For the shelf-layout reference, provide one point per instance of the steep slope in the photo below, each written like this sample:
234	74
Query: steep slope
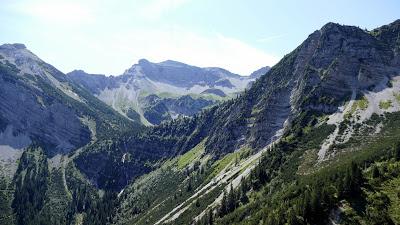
39	104
297	103
45	118
169	81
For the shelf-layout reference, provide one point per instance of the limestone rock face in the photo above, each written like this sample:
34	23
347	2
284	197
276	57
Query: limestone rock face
27	107
338	60
320	75
40	104
169	81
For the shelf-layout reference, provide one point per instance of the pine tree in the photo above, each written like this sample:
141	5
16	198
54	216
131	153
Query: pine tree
396	149
223	207
189	186
375	172
210	217
231	205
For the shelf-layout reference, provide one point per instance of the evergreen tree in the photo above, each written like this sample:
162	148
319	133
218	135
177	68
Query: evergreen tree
231	201
223	207
375	172
210	217
396	150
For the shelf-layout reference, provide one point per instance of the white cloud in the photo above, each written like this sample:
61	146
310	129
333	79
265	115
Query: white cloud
112	54
53	11
113	39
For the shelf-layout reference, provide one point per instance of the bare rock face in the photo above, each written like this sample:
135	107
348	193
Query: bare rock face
319	75
338	60
53	123
27	108
39	103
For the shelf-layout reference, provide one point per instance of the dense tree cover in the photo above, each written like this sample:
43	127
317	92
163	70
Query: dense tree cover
6	192
102	211
31	182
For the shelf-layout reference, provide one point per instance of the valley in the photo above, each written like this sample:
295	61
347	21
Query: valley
315	139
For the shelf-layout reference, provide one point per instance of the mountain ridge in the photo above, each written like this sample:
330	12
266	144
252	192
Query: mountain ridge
169	80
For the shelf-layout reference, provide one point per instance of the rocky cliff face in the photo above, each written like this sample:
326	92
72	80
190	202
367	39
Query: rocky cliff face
29	111
321	74
40	104
167	80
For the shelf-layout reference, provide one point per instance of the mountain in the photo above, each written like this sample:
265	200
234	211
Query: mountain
260	72
44	117
180	89
39	104
298	147
313	141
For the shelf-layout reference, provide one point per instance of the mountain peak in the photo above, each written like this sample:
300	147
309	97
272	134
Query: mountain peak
77	71
331	27
13	46
143	61
172	63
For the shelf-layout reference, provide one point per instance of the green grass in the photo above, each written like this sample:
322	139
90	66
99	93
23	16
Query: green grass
361	104
222	163
385	104
397	97
167	95
191	156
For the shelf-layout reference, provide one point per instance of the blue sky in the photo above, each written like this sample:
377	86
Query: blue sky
241	36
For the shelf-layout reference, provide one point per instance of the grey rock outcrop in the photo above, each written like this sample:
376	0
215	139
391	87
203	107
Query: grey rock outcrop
168	80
